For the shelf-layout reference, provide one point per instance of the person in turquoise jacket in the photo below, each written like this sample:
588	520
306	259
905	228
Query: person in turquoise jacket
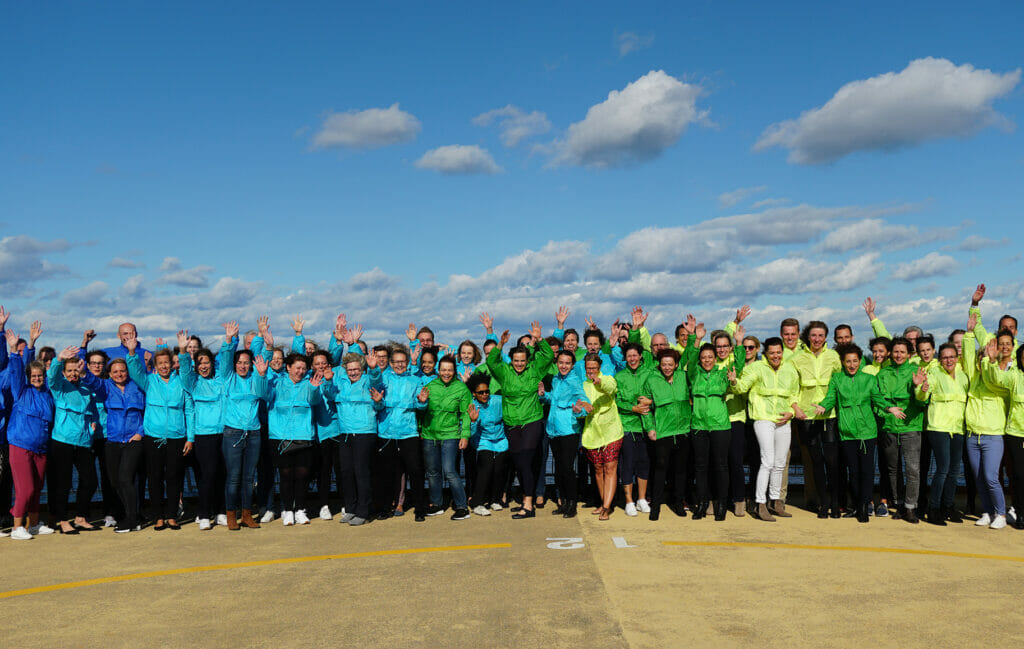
487	439
358	397
168	407
70	444
206	429
564	426
399	450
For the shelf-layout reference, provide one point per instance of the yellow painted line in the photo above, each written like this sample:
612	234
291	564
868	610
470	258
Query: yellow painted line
842	548
244	564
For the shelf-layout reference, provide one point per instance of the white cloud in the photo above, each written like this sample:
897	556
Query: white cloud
170	264
195	277
931	265
633	125
627	42
769	202
22	262
87	296
124	262
367	129
459	159
931	98
134	288
728	199
870	233
976	242
516	124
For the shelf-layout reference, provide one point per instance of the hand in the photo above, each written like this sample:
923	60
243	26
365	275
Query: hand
504	338
317	379
742	313
652	435
371	361
818	410
187	448
540	389
644	401
535	330
423	395
136	438
355	333
897	413
731	375
131	341
416	355
925	387
376	395
992	350
613	336
260	364
577	407
699	331
263	325
690	325
799	414
87	336
68	353
487	321
561	316
410	332
466	373
587	407
463	444
341	322
784	419
340	334
328	373
869	308
741	333
639	317
268	339
473	413
972	321
4	315
590	322
978	294
919	377
597	379
297	324
182	339
34	332
160	342
641	409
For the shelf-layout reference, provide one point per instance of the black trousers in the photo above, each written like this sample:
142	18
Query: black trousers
122	465
671	455
164	464
60	459
293	466
328	458
211	474
565	449
522	446
490	469
1013	455
737	455
821	437
111	502
355	452
392	459
265	471
860	460
711	456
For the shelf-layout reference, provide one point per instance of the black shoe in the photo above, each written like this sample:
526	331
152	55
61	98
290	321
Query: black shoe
524	513
460	514
851	513
936	517
434	510
656	513
679	509
700	511
720	510
1018	523
420	516
569	509
862	514
910	517
823	512
74	530
952	515
386	514
894	513
559	510
161	526
173	526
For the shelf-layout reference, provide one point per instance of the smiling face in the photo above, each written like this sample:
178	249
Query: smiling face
243	365
750	349
816	337
843	336
774	356
37	378
204	367
382	358
399	362
163	365
667	365
192	346
446	370
1005	347
571	342
428	363
565	364
633	359
593	343
277	360
320	363
593	369
880	353
707	359
948	359
466	353
899	354
519	362
851	363
354	371
723	347
119	373
482	393
297	370
791	336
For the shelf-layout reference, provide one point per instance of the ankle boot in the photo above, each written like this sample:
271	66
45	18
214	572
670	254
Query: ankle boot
700	511
569	509
779	509
862	514
764	514
720	510
655	513
739	508
936	517
232	520
952	515
248	520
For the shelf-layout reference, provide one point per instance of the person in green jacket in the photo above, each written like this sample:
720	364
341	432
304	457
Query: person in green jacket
902	422
520	406
634	459
712	430
446	429
854	394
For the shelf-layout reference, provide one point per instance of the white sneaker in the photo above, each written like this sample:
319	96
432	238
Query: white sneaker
301	518
204	524
325	513
287	518
268	516
999	523
40	529
643	506
497	507
480	510
630	509
108	521
20	534
222	519
983	521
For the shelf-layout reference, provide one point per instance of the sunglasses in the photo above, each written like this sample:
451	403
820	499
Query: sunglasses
750	347
482	392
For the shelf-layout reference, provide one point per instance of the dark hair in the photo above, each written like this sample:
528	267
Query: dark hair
382	348
425	330
944	346
245	352
926	338
953	333
46	353
197	339
553	342
293	358
570	331
703	348
835	331
519	349
679	327
490	342
478	379
671	353
1020	358
628	347
805	335
900	340
98	352
881	340
524	337
849	348
429	351
362	346
590	333
202	351
788	322
1007	316
592	357
774	341
319	352
566	352
720	333
1004	332
448	358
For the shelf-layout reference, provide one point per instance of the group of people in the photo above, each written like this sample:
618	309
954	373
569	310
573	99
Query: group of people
685	423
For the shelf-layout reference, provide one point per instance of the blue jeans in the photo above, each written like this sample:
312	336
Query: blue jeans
985	453
438	456
241	449
949	450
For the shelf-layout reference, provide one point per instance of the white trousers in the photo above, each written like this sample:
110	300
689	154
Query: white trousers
774	442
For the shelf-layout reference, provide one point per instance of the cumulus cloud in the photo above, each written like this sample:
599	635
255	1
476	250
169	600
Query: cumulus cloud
931	265
516	124
124	262
459	159
195	277
976	242
632	125
170	264
875	233
930	98
728	199
769	202
134	288
22	261
87	296
367	129
627	42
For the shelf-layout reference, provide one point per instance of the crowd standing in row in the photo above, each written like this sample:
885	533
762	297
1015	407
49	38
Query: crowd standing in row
687	424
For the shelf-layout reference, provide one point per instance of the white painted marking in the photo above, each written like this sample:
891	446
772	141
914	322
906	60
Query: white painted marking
567	543
620	542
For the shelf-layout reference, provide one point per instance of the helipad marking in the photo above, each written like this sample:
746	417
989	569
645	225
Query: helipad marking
843	548
245	564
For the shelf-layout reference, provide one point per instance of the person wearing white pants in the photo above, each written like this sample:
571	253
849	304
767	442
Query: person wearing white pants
774	441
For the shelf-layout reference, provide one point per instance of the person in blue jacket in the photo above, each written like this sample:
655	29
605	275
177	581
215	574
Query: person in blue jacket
327	449
564	427
71	443
28	435
205	429
168	406
487	439
357	396
125	331
96	365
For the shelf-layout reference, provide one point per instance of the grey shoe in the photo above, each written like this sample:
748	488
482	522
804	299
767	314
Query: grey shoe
357	520
347	518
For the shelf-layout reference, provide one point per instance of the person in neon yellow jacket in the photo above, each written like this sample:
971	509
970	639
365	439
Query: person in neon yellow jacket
1007	322
602	431
1011	380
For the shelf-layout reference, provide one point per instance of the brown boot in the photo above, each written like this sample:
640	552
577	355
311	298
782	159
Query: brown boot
764	514
248	520
739	508
779	509
232	521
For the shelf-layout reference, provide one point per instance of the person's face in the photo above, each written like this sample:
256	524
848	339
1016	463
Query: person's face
816	337
593	343
565	364
667	365
21	348
243	365
519	361
1008	323
73	370
1005	347
774	356
843	336
958	342
354	370
399	363
426	339
163	366
912	339
723	347
124	331
466	354
791	336
482	393
658	343
555	348
633	359
446	371
948	359
879	353
571	342
851	362
593	369
204	367
900	354
750	348
926	351
707	359
320	363
277	360
297	371
37	378
119	373
192	346
309	348
95	365
624	336
175	363
427	364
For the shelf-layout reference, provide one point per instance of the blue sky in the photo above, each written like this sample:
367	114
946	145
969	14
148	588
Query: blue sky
182	165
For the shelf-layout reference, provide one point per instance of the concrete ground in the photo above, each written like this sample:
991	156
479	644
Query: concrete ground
497	582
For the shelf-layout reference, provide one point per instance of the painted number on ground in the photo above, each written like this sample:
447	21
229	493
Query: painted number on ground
568	543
